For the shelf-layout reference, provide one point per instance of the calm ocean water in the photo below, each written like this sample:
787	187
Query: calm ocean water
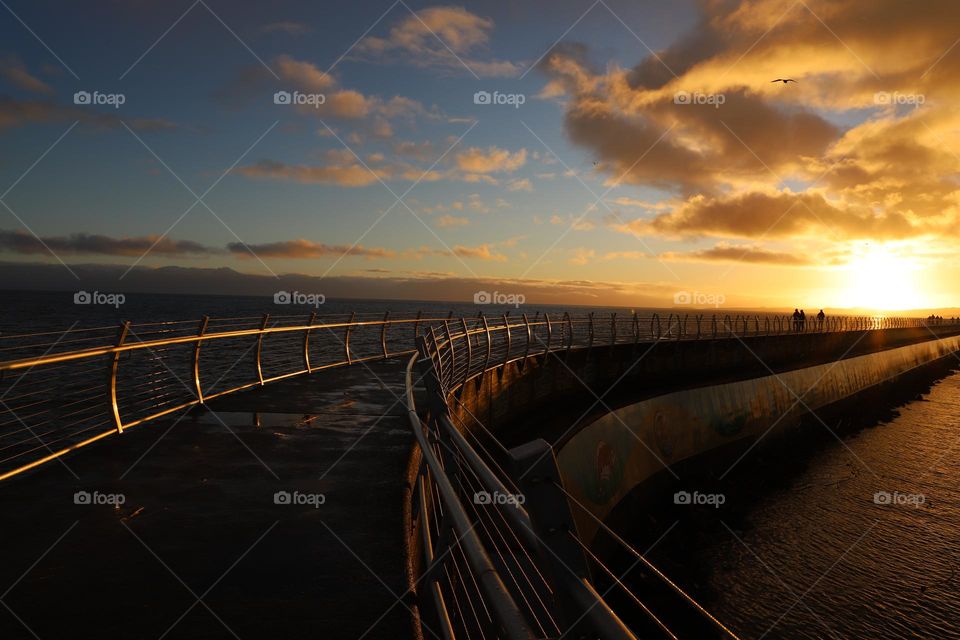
27	311
807	547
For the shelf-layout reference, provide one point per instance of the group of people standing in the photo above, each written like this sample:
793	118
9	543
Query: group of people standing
800	320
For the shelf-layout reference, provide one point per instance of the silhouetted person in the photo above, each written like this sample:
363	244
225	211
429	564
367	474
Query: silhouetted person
796	320
803	321
820	318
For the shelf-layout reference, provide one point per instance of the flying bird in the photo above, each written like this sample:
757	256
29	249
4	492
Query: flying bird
784	80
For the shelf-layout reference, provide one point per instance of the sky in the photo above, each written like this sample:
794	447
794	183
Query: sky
599	152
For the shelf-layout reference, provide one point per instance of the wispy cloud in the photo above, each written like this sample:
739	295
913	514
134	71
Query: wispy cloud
301	248
85	243
15	72
445	38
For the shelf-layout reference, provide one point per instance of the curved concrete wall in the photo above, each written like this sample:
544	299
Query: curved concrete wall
605	460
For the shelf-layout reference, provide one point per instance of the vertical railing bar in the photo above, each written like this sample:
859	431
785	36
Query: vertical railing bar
486	331
196	358
114	365
416	326
526	349
346	337
506	324
466	335
453	355
546	317
263	325
306	343
383	335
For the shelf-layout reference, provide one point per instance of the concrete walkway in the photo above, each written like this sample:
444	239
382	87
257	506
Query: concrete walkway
199	548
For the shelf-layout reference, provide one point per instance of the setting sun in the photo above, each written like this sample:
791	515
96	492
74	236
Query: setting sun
881	279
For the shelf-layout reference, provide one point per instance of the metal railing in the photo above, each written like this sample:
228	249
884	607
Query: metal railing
466	347
485	569
60	391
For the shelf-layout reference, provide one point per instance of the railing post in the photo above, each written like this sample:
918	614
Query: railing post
636	328
466	335
438	365
383	335
699	321
486	331
506	324
526	348
590	336
613	328
114	365
453	355
569	322
346	338
416	327
263	325
306	344
196	358
546	317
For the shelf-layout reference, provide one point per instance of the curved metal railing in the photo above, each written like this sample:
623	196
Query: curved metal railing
461	538
60	391
477	344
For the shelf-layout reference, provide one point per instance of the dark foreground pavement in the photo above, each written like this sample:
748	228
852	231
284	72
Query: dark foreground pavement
199	548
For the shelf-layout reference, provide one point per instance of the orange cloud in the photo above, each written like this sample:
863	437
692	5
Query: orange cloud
701	120
348	175
438	37
491	160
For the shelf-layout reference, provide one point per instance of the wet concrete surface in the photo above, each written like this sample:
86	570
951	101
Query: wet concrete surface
184	536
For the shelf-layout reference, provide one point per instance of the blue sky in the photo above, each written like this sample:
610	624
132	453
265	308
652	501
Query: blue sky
513	190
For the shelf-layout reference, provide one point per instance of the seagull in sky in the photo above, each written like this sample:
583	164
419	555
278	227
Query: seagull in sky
784	80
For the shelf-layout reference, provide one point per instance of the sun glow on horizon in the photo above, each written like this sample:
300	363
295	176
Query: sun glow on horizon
882	279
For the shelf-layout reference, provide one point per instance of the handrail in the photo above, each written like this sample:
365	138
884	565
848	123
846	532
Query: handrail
448	355
505	609
54	409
